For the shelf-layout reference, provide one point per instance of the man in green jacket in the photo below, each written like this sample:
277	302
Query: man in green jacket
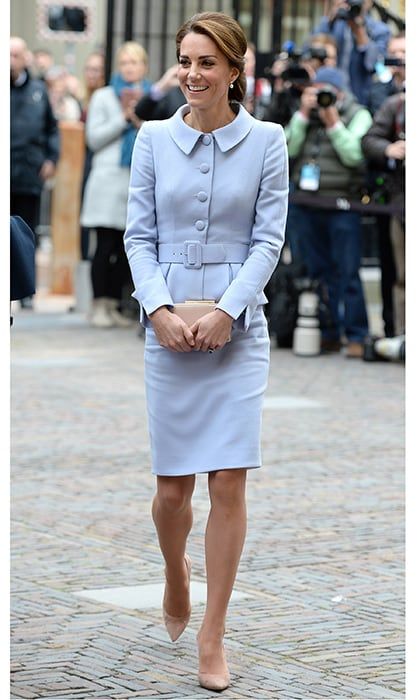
327	174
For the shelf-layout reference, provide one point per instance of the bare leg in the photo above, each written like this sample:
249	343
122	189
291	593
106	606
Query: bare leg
225	537
172	515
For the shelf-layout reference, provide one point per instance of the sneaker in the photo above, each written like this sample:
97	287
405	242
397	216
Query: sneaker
354	349
27	303
99	316
117	317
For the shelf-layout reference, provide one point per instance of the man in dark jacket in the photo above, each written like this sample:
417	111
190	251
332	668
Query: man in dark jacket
34	137
384	147
389	81
324	142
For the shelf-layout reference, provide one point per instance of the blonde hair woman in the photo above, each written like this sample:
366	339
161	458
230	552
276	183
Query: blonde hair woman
111	129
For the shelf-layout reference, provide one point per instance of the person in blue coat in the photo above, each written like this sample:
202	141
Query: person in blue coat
206	216
361	42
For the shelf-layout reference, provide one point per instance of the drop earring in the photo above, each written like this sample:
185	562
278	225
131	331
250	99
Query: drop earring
231	86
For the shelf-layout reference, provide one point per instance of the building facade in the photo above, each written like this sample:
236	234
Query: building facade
267	23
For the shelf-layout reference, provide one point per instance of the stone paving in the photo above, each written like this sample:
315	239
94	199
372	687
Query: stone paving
323	563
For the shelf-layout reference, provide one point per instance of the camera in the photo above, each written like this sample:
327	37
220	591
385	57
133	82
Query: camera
326	97
295	74
390	61
353	11
317	52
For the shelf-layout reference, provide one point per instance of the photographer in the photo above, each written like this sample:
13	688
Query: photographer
392	78
384	147
324	139
320	51
389	81
292	71
361	42
288	79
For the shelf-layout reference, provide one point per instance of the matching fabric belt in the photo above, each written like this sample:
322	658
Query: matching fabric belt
194	254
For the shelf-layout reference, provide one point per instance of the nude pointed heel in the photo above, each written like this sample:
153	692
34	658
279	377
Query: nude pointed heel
214	681
176	625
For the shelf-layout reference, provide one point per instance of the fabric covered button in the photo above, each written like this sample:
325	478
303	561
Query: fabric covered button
200	225
204	168
202	196
206	139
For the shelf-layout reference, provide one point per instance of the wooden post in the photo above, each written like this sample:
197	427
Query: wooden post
65	207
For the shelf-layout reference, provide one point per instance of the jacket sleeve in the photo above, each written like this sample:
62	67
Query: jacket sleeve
103	125
379	136
246	291
145	108
140	237
346	140
379	35
52	151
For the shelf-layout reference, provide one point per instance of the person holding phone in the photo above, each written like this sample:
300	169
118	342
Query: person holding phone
111	129
206	216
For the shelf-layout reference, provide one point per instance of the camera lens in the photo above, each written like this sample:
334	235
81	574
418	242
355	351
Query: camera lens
326	98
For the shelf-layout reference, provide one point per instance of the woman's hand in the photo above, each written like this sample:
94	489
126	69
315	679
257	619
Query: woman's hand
212	331
171	331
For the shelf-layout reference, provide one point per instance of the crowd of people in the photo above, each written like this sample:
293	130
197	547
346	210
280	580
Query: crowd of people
340	98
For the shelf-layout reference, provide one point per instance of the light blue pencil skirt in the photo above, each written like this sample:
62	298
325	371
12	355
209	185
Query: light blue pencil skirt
204	410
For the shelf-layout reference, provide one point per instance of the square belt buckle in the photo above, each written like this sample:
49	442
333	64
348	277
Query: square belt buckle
193	255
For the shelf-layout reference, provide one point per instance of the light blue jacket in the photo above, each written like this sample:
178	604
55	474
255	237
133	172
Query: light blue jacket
229	186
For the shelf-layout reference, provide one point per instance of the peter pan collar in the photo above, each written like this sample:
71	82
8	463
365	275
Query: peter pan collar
226	137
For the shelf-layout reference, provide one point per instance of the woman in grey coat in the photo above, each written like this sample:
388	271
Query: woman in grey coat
206	216
111	128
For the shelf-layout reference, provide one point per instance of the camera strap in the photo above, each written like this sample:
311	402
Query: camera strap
310	173
316	146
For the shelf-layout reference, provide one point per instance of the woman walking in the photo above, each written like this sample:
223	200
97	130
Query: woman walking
206	216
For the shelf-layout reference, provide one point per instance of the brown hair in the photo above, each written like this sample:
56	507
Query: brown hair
229	38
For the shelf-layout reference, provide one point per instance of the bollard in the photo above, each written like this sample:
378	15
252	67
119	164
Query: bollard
65	208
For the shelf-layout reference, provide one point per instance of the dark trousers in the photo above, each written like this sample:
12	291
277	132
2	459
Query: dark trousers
330	242
388	274
27	206
110	270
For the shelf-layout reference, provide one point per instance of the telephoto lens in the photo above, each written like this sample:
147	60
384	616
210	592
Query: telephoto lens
307	334
326	97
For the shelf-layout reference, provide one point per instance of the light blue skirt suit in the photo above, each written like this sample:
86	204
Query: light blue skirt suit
206	219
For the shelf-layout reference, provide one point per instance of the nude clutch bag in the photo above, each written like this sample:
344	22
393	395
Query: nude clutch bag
190	311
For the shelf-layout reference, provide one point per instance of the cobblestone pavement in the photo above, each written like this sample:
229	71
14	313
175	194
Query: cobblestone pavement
323	563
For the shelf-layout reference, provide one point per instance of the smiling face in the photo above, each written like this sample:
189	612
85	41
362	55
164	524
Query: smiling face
204	72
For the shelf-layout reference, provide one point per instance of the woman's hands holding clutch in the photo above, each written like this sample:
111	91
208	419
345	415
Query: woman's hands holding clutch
171	331
211	332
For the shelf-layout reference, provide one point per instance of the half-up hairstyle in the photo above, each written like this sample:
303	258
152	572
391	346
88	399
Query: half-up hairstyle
229	38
